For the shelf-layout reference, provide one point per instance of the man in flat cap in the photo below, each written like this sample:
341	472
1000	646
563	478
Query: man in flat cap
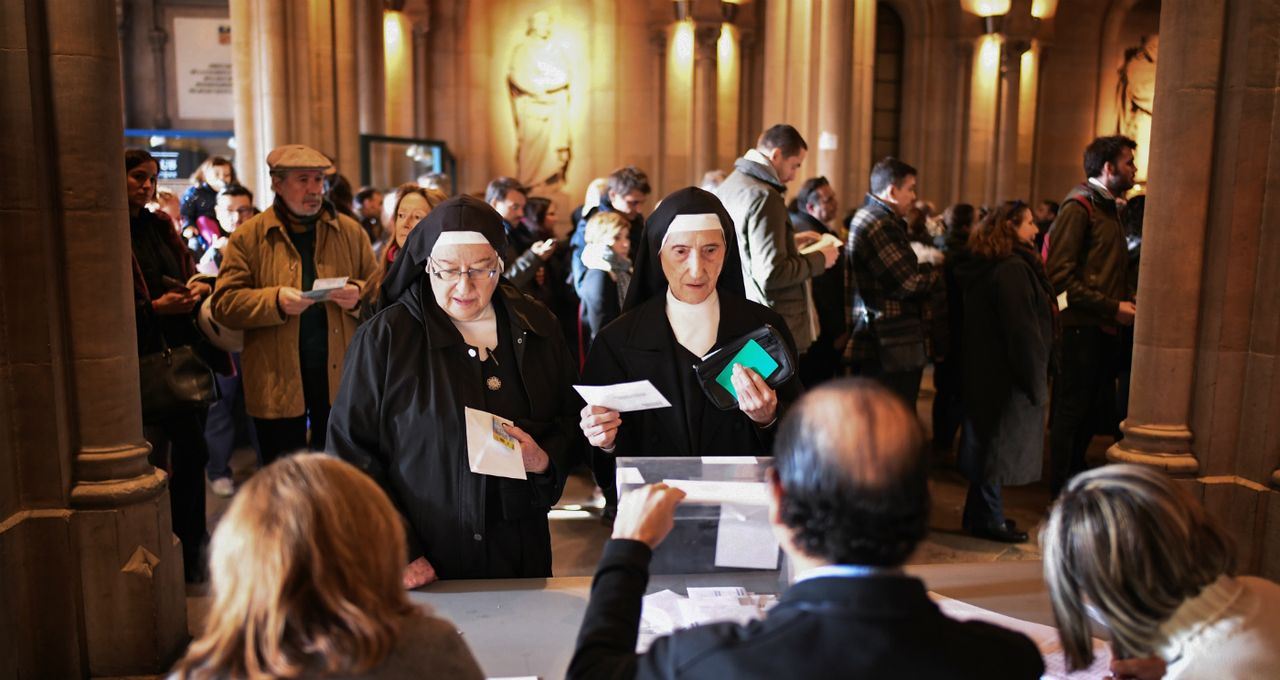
292	279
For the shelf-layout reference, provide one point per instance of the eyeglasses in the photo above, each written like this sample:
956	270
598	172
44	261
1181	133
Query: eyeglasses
455	275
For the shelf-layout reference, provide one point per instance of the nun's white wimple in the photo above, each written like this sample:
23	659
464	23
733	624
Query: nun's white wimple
699	222
460	238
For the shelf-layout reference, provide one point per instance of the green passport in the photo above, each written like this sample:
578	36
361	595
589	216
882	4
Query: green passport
752	356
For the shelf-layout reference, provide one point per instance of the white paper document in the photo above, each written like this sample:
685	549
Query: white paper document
322	287
1045	637
490	450
701	491
825	241
744	538
665	612
630	475
640	395
1062	301
728	460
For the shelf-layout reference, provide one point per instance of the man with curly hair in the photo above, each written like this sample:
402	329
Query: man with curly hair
848	501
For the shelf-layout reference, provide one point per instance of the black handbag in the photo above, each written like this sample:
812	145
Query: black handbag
710	368
901	342
174	381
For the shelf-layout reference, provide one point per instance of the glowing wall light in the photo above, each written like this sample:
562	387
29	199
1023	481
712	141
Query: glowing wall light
986	8
1043	9
682	41
989	56
397	45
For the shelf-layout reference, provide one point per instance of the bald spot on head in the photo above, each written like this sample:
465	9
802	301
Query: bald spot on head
863	431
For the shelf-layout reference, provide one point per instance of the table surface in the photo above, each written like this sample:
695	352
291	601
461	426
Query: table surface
527	627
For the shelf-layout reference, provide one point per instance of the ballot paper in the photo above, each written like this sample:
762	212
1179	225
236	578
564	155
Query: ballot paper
1045	638
702	491
640	395
728	460
321	289
628	476
490	449
665	612
1062	301
826	240
744	538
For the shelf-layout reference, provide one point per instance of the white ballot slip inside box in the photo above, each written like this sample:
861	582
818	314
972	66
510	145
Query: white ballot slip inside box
321	289
728	460
1045	637
744	539
702	491
490	449
826	240
630	475
665	612
640	395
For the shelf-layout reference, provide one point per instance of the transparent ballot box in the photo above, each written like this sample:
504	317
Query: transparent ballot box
723	524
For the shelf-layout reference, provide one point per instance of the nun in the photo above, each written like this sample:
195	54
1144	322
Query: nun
457	335
685	300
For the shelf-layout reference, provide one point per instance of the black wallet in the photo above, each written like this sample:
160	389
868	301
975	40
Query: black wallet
713	364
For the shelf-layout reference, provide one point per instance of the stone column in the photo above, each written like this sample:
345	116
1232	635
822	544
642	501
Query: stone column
93	572
857	146
704	100
830	142
371	78
1006	160
1157	431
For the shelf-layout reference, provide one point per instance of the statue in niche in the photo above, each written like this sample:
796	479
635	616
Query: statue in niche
538	80
1136	90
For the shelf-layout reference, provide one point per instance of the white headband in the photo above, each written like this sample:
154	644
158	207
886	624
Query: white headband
460	238
699	222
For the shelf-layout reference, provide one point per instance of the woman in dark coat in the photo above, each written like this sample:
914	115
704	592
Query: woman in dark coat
1008	339
166	292
685	300
457	335
608	271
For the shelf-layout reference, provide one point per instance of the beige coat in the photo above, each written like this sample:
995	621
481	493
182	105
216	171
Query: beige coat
260	259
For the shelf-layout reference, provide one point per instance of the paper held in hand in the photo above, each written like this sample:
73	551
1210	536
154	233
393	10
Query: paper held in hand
640	395
321	289
490	450
827	241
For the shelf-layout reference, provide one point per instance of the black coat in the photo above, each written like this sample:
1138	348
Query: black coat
1008	342
830	628
600	304
640	345
399	417
829	296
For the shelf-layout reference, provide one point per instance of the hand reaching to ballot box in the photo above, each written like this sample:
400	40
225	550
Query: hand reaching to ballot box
647	514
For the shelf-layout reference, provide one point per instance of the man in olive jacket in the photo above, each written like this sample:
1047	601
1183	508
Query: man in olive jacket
1087	260
776	274
293	344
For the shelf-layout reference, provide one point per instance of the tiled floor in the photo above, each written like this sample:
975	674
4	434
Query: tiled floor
577	541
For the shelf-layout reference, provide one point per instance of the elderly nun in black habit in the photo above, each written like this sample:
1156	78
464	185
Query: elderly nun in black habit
686	299
457	335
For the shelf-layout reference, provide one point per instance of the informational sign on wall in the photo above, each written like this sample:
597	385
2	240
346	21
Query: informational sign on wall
202	66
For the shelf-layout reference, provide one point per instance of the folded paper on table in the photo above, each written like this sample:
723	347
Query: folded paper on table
701	491
728	460
321	289
490	450
640	395
1045	638
744	538
752	356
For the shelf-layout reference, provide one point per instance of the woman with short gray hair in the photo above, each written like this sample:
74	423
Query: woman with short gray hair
1132	549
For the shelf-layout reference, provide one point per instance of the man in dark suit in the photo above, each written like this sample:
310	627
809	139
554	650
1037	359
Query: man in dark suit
849	501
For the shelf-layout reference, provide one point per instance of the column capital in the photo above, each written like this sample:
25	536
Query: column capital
706	38
1166	447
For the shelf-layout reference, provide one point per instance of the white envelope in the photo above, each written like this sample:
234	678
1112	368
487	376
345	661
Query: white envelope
486	452
639	395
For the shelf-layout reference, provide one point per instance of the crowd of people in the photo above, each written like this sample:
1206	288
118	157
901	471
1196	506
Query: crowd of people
373	326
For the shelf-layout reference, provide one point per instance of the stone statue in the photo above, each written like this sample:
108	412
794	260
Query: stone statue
538	79
1136	90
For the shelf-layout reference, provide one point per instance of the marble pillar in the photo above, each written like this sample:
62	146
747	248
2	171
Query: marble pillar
93	572
704	100
832	131
294	65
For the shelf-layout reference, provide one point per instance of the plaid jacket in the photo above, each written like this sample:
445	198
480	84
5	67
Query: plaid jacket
886	279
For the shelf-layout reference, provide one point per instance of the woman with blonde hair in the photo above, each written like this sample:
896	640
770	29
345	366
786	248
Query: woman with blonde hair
306	568
1130	548
604	286
412	204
